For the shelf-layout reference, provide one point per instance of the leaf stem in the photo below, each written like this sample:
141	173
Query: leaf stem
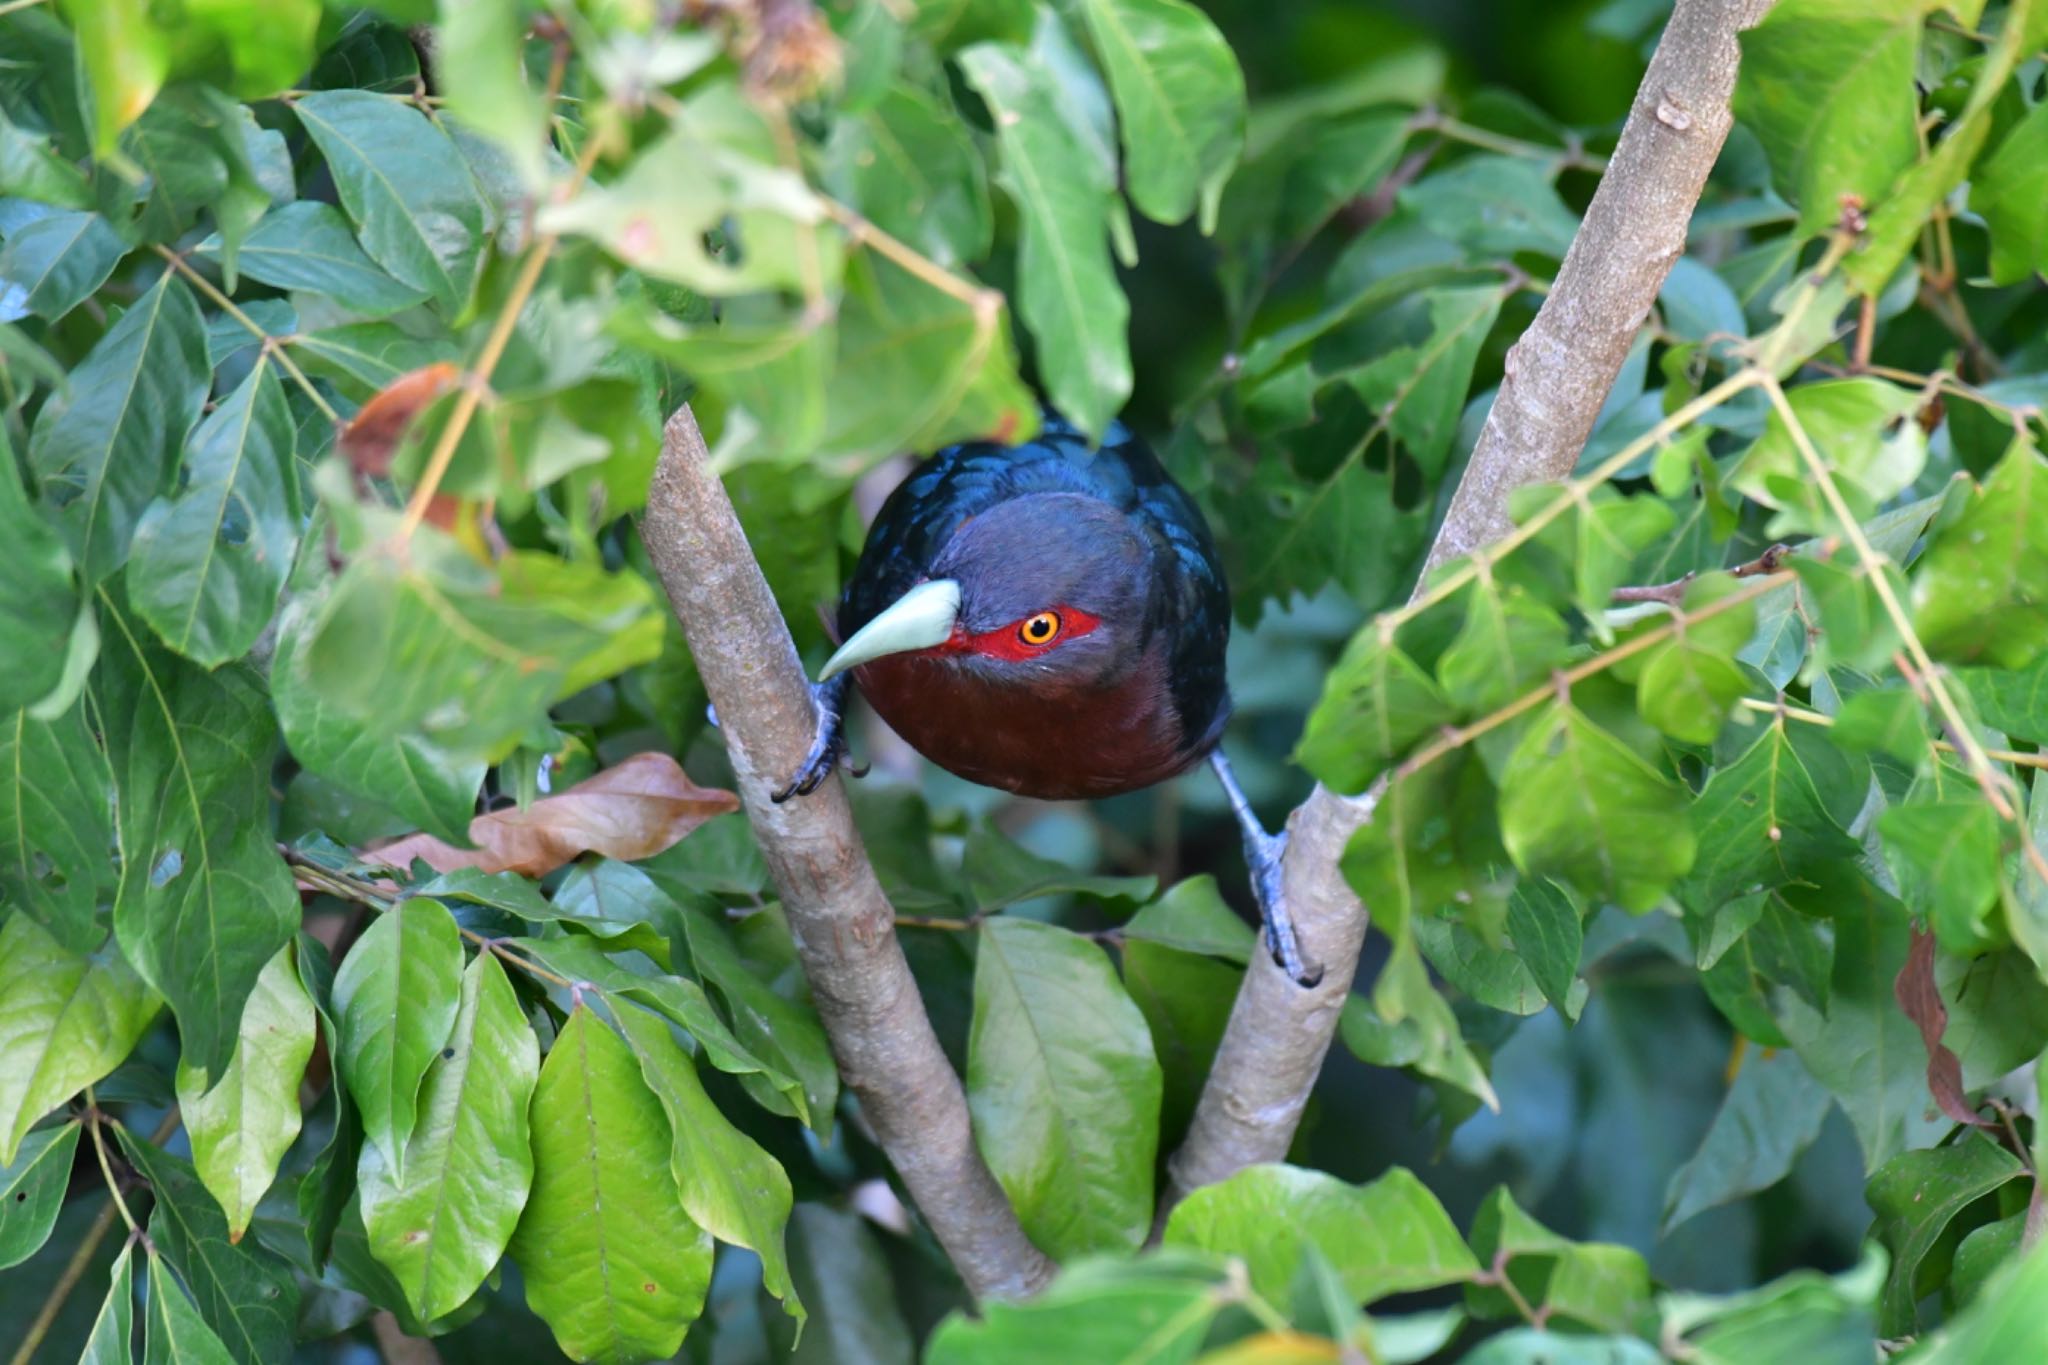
1801	714
272	346
99	1147
1570	157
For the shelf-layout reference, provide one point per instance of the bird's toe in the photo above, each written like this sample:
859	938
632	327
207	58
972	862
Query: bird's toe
828	748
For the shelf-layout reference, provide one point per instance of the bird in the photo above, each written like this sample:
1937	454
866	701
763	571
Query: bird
1049	618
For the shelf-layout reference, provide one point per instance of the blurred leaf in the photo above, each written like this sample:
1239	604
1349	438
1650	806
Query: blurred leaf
66	1020
1592	547
1535	1346
59	260
1001	872
1849	134
1064	1088
31	169
2014	701
2010	191
479	63
423	783
1861	427
1509	643
209	562
1180	102
1546	931
1768	818
1770	1116
1978	592
38	600
729	1185
242	1126
307	245
1419	389
245	1295
396	998
1917	1196
1689	685
1068	293
112	1341
2002	1324
842	1269
1946	858
609	1258
1295	536
442	1226
911	168
1185	998
1376	705
204	900
1387	1237
1578	805
106	447
405	187
1593	1284
1495	205
32	1190
1156	1310
124	55
633	809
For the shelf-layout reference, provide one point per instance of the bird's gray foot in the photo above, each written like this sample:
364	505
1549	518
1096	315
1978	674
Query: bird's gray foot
1263	853
828	742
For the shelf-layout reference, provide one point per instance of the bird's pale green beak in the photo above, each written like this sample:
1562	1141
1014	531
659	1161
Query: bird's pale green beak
919	619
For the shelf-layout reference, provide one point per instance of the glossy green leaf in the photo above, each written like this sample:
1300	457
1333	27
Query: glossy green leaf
1068	293
173	1332
610	1260
1152	1311
427	785
1180	102
242	1126
32	1190
1064	1088
396	1000
107	447
204	900
59	260
730	1187
246	1295
1548	936
209	562
1376	705
307	245
404	186
1387	1237
1946	858
2010	191
112	1341
782	1031
1578	805
1768	818
1848	131
66	1020
38	599
1917	1196
1769	1117
1419	389
1978	591
469	1162
911	168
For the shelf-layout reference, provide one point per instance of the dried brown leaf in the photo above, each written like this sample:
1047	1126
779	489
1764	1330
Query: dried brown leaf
632	810
1918	996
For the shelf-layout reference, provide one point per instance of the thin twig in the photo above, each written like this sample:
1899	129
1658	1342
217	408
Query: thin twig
272	346
1672	593
99	1147
1807	717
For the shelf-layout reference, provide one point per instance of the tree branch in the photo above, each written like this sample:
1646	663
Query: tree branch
841	920
1558	376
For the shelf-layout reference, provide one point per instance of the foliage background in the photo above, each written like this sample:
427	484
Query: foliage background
1598	1116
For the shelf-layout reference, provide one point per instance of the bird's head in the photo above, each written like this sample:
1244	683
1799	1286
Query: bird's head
1046	590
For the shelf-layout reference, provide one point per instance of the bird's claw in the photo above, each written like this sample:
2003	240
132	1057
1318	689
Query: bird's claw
828	743
1268	889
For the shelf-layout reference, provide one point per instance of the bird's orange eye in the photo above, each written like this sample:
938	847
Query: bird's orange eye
1041	629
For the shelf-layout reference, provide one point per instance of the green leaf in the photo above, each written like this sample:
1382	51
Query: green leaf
1770	1115
1916	1196
1861	427
782	1031
105	448
1688	686
1419	389
1579	805
1390	1236
1180	102
204	900
2012	700
1849	130
1980	592
173	1331
912	169
1509	643
1768	818
1376	705
1153	1311
59	260
396	999
112	1341
32	169
66	1020
1000	872
1185	998
428	786
39	604
2010	191
840	1265
1495	205
2003	1322
1592	547
406	188
1064	1088
1548	935
1947	860
209	562
1068	292
730	1187
307	245
1891	722
245	1294
242	1127
470	1160
1298	536
1593	1284
610	1260
125	56
479	63
32	1190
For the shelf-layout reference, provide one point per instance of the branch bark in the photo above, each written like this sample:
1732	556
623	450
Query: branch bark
841	920
1558	375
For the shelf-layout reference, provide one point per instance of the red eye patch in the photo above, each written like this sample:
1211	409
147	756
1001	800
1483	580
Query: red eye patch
1028	637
